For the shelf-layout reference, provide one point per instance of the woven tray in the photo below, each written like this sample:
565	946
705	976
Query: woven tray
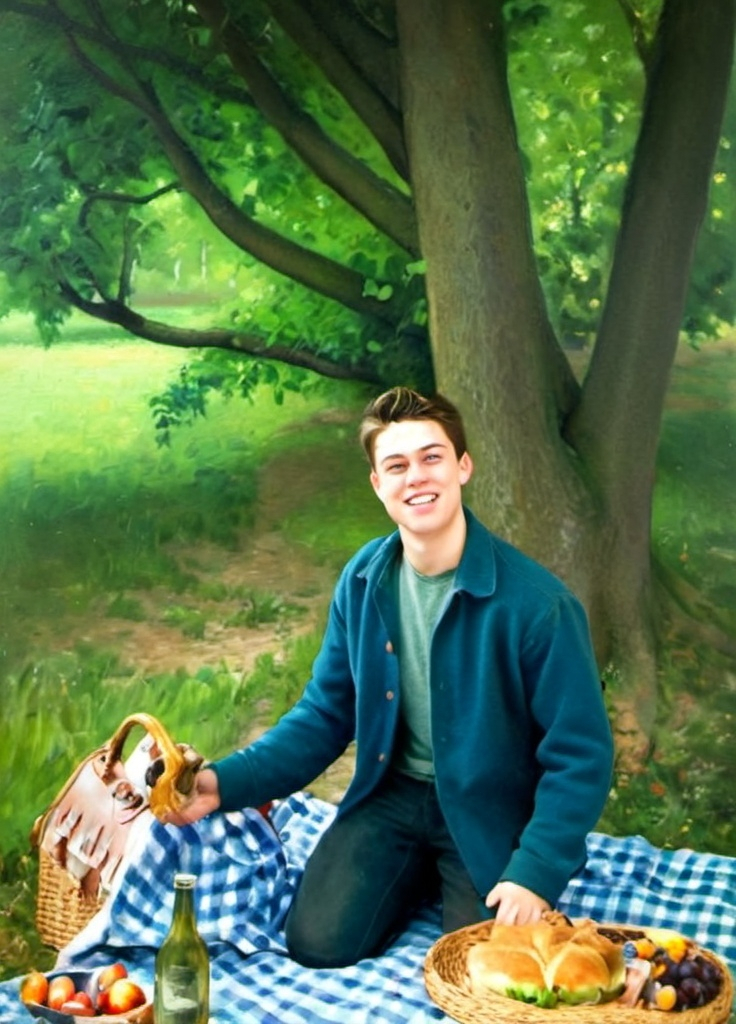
447	983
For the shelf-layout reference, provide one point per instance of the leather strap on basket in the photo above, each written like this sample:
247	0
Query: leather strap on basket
173	787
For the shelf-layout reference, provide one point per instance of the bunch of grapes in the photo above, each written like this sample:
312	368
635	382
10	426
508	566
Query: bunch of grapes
680	977
695	980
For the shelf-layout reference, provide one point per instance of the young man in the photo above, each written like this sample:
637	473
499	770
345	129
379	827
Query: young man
465	672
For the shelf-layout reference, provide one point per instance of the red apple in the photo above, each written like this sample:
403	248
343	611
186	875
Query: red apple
61	989
124	995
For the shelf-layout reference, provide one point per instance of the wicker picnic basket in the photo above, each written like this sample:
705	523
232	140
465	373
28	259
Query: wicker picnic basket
447	983
83	836
63	907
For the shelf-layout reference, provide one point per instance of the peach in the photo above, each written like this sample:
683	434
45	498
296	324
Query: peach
34	988
110	974
124	995
61	989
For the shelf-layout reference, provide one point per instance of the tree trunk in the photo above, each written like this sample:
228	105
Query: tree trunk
546	477
615	426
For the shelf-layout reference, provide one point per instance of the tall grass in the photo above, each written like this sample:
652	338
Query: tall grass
57	710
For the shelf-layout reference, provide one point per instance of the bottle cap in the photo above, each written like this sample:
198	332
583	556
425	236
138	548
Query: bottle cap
184	881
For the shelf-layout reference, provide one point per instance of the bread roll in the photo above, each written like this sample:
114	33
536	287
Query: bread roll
496	968
548	937
578	974
544	937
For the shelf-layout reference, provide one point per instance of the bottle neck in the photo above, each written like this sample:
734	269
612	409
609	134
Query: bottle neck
184	917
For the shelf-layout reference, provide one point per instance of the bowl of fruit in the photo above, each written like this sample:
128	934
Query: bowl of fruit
108	994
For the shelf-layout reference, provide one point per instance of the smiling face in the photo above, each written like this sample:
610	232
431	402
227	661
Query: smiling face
419	478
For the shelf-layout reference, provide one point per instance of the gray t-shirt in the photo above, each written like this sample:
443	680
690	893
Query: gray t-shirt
421	599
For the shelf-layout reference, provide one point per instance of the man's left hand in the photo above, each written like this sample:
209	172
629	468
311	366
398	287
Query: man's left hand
515	904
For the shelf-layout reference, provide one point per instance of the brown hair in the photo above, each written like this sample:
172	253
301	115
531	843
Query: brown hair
405	404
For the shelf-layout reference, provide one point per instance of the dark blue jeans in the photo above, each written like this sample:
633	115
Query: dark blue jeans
371	869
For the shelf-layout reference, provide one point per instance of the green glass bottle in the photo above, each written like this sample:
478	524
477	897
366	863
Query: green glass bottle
181	991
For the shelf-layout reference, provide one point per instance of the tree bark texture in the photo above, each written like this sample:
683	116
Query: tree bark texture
563	471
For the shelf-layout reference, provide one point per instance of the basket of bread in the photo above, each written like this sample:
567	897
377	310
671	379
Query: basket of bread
574	972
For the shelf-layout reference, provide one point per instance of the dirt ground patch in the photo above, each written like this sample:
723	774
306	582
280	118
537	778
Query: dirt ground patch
265	562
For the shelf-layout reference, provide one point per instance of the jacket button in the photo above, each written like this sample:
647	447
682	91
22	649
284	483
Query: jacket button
389	648
381	757
389	694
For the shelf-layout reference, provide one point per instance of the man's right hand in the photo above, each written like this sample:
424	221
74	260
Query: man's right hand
204	799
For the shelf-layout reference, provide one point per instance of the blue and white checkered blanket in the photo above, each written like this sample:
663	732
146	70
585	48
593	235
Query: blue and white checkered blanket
247	876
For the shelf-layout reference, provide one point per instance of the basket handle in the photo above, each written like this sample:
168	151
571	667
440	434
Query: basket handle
173	787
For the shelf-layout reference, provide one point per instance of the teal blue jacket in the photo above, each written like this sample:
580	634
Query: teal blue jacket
523	750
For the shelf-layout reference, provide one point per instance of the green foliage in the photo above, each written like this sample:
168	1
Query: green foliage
258	607
577	141
712	296
89	197
191	621
83	178
278	682
683	796
124	607
186	398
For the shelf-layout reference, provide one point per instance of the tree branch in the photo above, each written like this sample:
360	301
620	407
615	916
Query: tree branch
379	15
114	312
642	45
125	198
316	272
380	203
370	105
616	425
374	54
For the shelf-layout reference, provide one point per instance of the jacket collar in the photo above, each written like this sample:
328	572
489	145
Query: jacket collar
476	573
